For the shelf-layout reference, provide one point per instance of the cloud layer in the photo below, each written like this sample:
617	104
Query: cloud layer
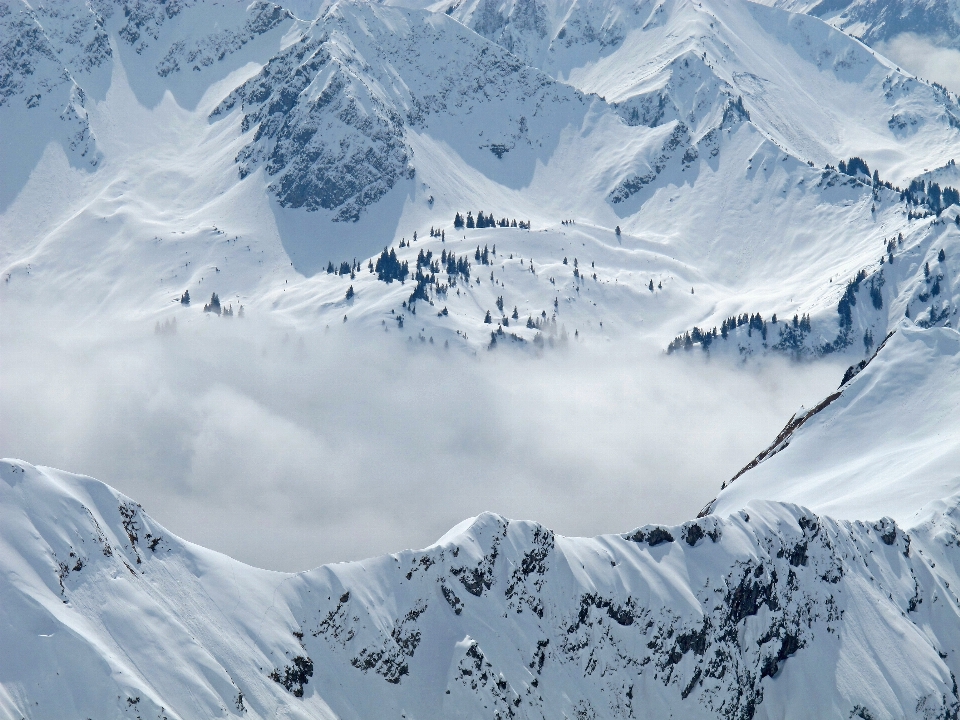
287	450
922	58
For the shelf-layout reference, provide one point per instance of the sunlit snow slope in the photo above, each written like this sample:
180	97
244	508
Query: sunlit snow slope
772	612
243	150
888	444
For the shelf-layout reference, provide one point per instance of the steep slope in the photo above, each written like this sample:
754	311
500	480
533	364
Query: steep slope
40	99
885	445
736	617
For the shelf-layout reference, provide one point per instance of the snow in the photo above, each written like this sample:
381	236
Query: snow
119	618
238	149
886	446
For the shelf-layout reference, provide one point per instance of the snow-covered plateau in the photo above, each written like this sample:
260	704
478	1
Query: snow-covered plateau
750	183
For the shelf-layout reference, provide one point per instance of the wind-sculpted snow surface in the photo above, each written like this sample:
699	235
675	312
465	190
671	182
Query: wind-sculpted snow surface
106	614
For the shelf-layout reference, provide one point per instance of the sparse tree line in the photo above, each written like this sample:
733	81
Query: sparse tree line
487	221
932	279
928	197
211	307
345	268
543	326
793	334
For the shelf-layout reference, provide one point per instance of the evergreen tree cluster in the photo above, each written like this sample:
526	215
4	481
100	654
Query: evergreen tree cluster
167	327
854	166
344	268
425	259
483	256
930	195
455	266
214	305
753	322
926	196
693	337
849	300
389	268
705	337
437	232
486	221
793	335
185	298
420	290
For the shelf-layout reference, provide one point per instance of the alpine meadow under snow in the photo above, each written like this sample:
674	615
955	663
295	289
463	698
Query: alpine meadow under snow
313	281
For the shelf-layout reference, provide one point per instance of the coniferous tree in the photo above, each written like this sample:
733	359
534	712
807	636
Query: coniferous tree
487	319
941	256
617	231
458	222
185	298
350	293
214	305
470	221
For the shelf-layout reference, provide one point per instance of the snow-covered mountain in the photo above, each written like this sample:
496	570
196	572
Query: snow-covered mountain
716	176
877	21
204	147
840	605
773	611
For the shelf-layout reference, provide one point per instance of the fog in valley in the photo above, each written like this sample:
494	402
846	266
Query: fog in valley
289	449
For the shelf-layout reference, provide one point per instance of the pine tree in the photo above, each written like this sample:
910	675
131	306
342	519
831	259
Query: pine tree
214	305
185	298
617	231
941	256
487	319
350	292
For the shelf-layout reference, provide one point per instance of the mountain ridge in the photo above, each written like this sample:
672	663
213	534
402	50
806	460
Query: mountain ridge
707	618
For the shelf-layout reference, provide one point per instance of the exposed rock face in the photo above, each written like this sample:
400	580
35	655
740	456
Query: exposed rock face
332	111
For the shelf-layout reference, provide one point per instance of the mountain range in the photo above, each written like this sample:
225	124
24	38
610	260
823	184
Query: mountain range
742	180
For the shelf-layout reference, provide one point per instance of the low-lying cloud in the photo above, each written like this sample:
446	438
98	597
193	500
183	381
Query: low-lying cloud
923	58
287	450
